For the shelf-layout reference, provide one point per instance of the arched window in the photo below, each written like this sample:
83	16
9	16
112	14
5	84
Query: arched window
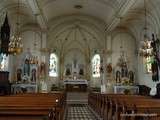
148	66
96	66
53	65
3	62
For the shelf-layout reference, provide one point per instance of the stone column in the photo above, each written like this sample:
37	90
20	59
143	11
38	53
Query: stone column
103	71
109	76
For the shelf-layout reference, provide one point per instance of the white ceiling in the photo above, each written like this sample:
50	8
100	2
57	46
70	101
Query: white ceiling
108	11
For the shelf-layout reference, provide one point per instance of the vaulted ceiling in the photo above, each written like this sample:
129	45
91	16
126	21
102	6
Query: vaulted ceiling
109	11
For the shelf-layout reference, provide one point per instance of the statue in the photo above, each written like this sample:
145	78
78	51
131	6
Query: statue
124	70
33	75
81	72
42	69
19	75
26	67
131	76
118	76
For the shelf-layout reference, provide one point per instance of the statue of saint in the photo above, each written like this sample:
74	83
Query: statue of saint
118	76
26	67
33	75
19	75
124	70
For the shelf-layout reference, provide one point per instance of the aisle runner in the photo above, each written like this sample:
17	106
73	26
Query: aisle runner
79	112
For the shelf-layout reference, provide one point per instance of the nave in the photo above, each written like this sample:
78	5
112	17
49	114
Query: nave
79	59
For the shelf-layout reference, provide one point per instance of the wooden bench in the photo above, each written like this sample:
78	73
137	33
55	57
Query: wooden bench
109	105
32	106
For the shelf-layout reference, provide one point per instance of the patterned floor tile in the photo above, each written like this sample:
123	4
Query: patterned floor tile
79	112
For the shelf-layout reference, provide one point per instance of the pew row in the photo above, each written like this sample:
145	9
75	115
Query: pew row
36	106
120	106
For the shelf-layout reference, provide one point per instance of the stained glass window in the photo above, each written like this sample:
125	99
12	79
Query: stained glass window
148	62
96	66
3	62
53	71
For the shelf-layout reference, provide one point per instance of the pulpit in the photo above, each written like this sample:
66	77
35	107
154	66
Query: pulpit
78	85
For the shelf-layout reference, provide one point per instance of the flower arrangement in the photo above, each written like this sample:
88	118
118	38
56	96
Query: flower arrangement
126	81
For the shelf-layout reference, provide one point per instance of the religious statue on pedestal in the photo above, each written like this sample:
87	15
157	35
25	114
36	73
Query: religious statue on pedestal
26	67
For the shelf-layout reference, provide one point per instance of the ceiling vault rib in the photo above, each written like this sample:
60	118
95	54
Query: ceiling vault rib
121	12
42	21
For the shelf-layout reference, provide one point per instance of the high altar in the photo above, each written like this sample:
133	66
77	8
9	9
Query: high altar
78	85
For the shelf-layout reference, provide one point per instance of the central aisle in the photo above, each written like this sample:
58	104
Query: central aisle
79	112
77	107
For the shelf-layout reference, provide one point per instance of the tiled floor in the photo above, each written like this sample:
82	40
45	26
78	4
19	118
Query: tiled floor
79	112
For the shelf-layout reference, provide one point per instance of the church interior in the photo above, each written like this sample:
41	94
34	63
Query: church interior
79	59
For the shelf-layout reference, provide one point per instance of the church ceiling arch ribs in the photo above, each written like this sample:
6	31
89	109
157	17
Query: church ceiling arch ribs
73	38
57	33
61	40
87	20
113	4
10	6
71	22
84	38
93	37
84	33
122	11
73	49
37	11
64	7
155	7
151	18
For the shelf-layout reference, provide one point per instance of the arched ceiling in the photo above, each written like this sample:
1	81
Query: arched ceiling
107	11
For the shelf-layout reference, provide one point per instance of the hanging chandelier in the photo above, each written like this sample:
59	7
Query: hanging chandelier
146	49
15	45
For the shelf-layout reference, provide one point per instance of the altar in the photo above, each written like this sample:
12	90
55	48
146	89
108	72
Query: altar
24	88
78	85
121	89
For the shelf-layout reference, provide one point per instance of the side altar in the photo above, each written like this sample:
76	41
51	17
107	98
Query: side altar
24	88
75	85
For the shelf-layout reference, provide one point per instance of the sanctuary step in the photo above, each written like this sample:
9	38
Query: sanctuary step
77	97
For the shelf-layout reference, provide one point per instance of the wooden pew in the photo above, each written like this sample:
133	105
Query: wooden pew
141	106
115	103
109	105
51	106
